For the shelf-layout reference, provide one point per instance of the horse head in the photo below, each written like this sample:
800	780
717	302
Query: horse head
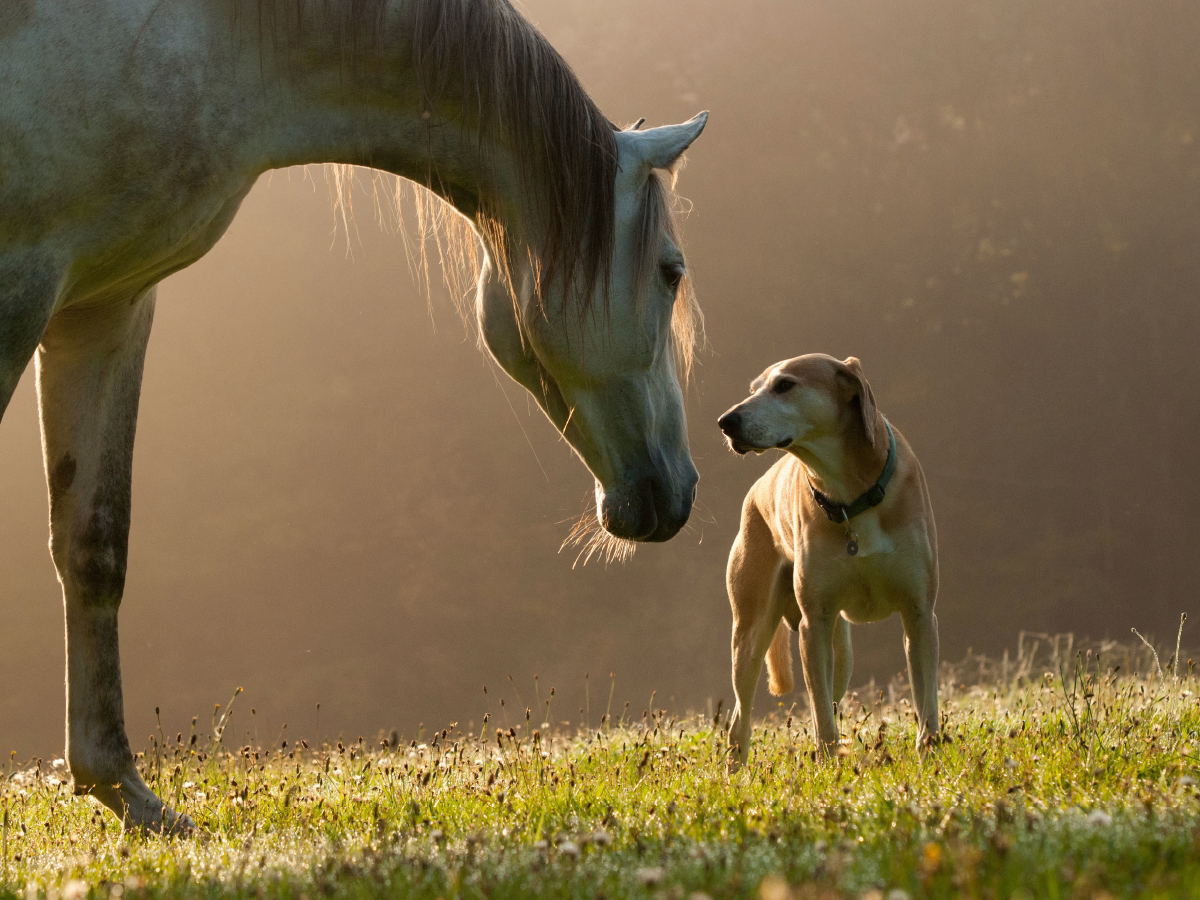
603	352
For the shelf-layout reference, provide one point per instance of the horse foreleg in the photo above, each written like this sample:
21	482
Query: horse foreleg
89	369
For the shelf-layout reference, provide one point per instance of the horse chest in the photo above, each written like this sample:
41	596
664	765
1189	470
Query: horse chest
134	206
144	245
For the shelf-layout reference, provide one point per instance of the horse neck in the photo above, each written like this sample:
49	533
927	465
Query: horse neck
363	107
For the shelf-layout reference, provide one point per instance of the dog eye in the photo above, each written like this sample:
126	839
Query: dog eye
782	386
673	274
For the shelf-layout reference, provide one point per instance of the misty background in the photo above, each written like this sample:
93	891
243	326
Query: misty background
995	204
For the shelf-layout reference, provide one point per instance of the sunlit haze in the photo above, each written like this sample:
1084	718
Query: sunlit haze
994	204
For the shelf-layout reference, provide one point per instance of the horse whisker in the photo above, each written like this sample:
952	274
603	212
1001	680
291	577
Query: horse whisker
593	541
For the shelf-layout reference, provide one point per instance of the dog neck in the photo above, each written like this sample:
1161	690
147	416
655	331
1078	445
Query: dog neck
845	464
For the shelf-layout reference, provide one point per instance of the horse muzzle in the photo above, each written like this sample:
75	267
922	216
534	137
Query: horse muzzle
649	509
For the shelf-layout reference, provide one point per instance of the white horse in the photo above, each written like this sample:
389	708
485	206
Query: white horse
130	132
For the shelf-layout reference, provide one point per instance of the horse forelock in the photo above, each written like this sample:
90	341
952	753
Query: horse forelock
491	68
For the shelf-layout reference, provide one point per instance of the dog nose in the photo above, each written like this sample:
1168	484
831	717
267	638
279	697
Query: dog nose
729	422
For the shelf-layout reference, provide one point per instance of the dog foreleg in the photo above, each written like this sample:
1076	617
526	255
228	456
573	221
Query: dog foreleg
921	649
753	567
816	652
89	378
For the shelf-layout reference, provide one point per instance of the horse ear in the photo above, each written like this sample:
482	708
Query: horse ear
661	148
857	387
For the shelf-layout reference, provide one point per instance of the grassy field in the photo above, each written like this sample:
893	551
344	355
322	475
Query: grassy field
1063	775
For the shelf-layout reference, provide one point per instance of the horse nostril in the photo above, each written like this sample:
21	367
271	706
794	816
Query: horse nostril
729	422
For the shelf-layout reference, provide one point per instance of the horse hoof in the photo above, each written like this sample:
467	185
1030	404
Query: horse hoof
140	808
166	822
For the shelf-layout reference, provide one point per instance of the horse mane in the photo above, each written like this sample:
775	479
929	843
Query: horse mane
514	87
482	65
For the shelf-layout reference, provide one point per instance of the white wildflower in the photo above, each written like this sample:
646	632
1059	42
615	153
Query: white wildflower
650	876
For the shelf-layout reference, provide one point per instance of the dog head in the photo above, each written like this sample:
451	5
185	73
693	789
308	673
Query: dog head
800	400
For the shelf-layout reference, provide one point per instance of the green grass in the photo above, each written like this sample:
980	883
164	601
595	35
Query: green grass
1077	782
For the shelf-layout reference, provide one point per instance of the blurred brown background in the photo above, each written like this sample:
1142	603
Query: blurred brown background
994	203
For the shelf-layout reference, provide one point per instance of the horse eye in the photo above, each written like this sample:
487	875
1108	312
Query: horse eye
782	386
672	274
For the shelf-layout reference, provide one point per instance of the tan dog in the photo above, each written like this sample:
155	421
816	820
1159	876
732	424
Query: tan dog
793	562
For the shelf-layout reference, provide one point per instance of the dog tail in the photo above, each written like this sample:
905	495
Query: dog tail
779	661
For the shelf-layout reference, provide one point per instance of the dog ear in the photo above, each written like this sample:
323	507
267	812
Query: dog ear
857	388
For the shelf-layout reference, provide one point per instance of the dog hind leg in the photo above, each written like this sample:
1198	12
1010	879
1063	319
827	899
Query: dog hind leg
753	563
779	661
843	658
780	679
750	646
